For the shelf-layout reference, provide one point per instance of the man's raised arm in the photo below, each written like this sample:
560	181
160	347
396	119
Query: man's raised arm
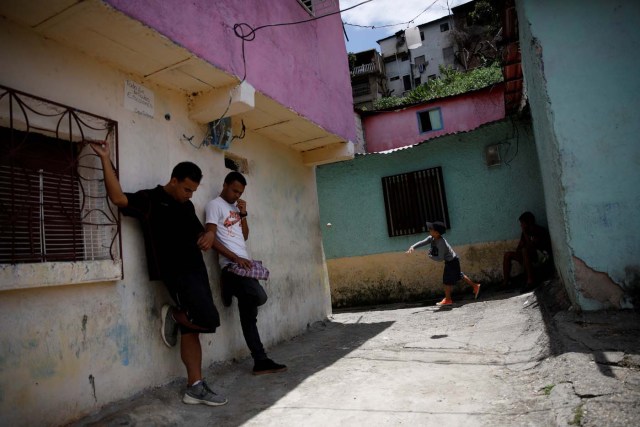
111	183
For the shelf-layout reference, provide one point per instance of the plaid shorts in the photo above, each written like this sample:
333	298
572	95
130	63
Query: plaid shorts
257	270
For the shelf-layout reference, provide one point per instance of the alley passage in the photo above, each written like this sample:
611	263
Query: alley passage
485	362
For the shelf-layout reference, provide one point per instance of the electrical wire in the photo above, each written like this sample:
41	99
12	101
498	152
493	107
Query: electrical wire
247	33
515	134
373	27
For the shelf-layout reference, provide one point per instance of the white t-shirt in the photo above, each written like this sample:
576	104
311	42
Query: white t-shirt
229	230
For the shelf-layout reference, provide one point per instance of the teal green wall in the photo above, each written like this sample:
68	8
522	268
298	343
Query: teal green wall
484	203
582	78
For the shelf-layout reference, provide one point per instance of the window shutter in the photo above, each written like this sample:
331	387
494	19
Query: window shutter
39	199
411	199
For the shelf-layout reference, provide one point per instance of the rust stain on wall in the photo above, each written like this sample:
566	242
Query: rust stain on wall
400	277
92	382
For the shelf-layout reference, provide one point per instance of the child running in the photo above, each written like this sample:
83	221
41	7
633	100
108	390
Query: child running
441	251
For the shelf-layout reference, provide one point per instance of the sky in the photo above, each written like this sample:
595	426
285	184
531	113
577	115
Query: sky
386	12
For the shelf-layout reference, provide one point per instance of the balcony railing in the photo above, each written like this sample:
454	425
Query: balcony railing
365	69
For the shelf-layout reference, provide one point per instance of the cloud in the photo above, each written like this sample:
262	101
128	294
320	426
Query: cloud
385	12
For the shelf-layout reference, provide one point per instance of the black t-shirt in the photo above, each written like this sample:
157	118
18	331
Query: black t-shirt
170	229
539	238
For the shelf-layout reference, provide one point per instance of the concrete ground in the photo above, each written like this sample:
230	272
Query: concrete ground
501	360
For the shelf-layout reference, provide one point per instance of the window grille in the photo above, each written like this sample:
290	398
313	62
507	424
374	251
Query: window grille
319	7
411	199
361	89
308	6
53	205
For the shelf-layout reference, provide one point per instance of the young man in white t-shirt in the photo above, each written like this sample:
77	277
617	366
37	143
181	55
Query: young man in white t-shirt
226	218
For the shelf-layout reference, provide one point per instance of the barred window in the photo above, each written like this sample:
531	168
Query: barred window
40	204
319	7
361	89
308	6
411	199
53	205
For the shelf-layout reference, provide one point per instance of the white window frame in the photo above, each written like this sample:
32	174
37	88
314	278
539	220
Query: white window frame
429	111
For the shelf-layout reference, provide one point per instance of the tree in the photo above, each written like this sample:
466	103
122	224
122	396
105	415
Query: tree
477	34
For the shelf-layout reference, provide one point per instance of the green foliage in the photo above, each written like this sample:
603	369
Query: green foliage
485	12
578	413
352	60
547	389
451	82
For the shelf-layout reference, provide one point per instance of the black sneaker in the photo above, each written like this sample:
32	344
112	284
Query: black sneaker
267	366
169	327
202	394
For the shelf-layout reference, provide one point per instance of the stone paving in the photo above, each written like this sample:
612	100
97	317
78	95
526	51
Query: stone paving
501	360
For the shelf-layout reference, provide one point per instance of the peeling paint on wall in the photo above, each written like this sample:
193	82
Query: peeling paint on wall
120	334
599	286
586	136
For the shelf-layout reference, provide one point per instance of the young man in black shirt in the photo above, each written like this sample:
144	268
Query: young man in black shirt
174	240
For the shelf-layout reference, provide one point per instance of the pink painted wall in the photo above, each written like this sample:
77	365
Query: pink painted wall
461	113
302	66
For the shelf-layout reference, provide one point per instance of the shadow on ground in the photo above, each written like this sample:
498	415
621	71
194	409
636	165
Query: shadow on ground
324	344
611	337
568	367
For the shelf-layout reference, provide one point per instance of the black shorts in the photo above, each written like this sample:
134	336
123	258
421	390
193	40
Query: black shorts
192	293
452	272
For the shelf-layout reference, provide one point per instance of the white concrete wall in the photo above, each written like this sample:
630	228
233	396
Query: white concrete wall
434	42
399	69
67	350
587	141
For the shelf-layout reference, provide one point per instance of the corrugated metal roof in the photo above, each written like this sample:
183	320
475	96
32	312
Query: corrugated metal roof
393	150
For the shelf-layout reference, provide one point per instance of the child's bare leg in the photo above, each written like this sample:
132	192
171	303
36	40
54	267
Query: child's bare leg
474	285
528	267
447	296
447	292
469	281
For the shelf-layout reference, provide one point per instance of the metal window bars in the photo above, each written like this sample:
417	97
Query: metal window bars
53	204
413	198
